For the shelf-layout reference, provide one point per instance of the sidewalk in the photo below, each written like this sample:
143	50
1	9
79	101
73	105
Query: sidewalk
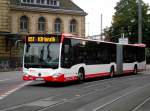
10	75
10	69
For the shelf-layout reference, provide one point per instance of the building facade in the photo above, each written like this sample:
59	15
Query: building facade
22	17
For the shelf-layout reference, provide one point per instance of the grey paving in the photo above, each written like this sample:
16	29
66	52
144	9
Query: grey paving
125	93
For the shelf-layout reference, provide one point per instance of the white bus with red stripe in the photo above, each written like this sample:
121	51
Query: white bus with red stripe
64	57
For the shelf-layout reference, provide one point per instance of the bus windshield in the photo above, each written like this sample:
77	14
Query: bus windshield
41	55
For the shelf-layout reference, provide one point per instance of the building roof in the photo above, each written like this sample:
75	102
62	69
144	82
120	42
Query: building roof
69	5
65	6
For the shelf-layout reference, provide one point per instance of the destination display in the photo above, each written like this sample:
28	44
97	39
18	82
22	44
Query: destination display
43	39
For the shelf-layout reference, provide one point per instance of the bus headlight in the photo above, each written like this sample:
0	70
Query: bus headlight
26	75
56	75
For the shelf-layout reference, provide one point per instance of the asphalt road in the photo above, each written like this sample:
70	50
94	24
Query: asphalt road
125	93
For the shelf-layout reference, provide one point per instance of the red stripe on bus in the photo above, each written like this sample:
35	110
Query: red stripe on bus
73	78
141	69
62	78
48	78
127	71
97	75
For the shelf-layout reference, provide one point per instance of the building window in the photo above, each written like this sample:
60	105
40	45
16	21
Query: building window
48	2
73	26
53	2
41	24
57	25
24	24
28	1
42	2
38	1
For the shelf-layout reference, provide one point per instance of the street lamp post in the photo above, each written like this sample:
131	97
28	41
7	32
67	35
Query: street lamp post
88	29
139	22
101	27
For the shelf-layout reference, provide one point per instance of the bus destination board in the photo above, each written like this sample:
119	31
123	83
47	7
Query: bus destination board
42	39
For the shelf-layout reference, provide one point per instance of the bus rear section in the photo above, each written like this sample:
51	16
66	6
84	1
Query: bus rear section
130	58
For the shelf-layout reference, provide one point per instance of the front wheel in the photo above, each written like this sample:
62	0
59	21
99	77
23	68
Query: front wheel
81	75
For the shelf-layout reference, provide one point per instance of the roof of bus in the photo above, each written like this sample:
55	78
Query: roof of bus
68	35
56	34
79	38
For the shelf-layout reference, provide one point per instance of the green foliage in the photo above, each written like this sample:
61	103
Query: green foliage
148	55
148	52
125	20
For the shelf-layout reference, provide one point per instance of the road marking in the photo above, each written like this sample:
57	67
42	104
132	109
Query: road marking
43	103
13	90
64	100
110	102
105	81
4	80
140	105
68	100
7	79
49	102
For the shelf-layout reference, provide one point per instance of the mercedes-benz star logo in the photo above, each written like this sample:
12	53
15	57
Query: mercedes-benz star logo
39	74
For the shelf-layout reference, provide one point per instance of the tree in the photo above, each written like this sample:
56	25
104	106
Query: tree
148	55
125	20
107	33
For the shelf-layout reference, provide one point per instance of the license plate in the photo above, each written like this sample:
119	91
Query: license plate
39	79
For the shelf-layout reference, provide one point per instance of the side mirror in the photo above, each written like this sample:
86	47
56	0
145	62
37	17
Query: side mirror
17	43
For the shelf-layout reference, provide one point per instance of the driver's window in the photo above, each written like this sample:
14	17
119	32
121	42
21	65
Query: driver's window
66	54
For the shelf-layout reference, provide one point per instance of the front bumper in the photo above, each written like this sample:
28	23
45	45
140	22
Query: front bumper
60	78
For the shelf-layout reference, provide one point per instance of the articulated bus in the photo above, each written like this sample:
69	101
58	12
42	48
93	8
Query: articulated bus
65	57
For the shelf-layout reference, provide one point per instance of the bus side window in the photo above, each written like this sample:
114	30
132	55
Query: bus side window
66	49
141	54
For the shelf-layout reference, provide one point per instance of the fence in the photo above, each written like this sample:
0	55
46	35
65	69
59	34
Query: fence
10	65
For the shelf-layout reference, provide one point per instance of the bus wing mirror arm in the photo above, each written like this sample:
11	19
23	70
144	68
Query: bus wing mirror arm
17	43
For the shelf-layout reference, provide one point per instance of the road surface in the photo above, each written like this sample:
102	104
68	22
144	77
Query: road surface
125	93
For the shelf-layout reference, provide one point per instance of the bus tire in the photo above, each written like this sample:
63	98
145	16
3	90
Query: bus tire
81	75
135	71
112	71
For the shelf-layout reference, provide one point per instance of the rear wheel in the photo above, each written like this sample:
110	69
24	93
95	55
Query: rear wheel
112	72
135	71
81	75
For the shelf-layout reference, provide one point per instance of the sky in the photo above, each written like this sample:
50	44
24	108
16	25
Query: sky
95	8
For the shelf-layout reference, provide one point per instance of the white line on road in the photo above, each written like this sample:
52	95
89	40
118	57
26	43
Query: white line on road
59	102
4	80
1	98
114	100
13	90
140	105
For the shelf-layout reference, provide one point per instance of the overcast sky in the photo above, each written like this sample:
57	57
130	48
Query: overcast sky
95	8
